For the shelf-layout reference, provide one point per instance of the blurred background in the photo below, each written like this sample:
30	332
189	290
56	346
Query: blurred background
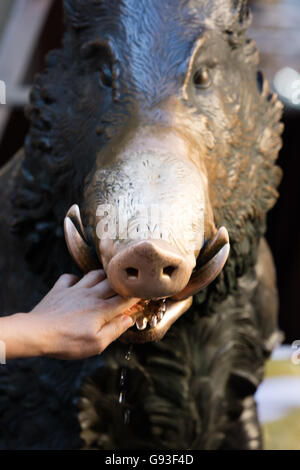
30	28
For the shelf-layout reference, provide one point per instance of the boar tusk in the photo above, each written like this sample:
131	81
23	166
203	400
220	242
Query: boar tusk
213	246
211	262
77	243
74	214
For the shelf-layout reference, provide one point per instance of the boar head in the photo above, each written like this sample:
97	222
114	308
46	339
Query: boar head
156	104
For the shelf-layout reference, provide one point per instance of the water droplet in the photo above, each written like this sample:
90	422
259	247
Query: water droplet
129	352
126	416
141	323
123	376
122	396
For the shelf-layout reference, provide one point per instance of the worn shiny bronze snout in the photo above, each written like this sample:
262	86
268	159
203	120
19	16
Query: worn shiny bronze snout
149	269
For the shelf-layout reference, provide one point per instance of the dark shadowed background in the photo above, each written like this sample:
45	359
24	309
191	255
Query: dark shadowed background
30	28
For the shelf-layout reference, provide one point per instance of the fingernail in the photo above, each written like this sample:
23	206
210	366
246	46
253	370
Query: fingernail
127	321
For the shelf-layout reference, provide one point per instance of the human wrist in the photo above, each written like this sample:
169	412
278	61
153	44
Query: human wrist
20	336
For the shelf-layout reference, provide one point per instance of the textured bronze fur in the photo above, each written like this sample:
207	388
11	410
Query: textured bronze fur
194	389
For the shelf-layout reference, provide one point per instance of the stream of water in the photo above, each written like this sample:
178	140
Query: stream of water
123	383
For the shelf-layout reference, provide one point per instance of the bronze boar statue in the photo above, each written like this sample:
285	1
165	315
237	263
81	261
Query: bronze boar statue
155	106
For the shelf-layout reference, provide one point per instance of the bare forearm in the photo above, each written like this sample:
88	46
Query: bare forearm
18	334
75	320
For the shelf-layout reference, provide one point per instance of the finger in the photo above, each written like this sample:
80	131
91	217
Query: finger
116	305
113	330
66	280
92	278
103	290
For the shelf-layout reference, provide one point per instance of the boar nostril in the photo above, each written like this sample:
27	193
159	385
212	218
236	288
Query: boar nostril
132	273
168	270
148	269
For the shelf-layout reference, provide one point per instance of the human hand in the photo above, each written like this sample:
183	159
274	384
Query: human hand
78	318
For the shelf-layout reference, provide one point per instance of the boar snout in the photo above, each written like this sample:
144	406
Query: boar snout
149	269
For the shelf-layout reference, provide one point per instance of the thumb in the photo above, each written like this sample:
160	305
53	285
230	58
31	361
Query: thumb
113	330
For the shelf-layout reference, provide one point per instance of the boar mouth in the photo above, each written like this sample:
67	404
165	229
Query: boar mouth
152	317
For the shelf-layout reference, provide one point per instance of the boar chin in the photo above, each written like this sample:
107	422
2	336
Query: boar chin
152	318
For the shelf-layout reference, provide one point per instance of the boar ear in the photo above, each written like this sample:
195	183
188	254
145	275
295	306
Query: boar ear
241	13
234	19
77	241
242	6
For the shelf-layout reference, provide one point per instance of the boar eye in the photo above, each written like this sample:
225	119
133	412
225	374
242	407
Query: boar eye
202	78
106	76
